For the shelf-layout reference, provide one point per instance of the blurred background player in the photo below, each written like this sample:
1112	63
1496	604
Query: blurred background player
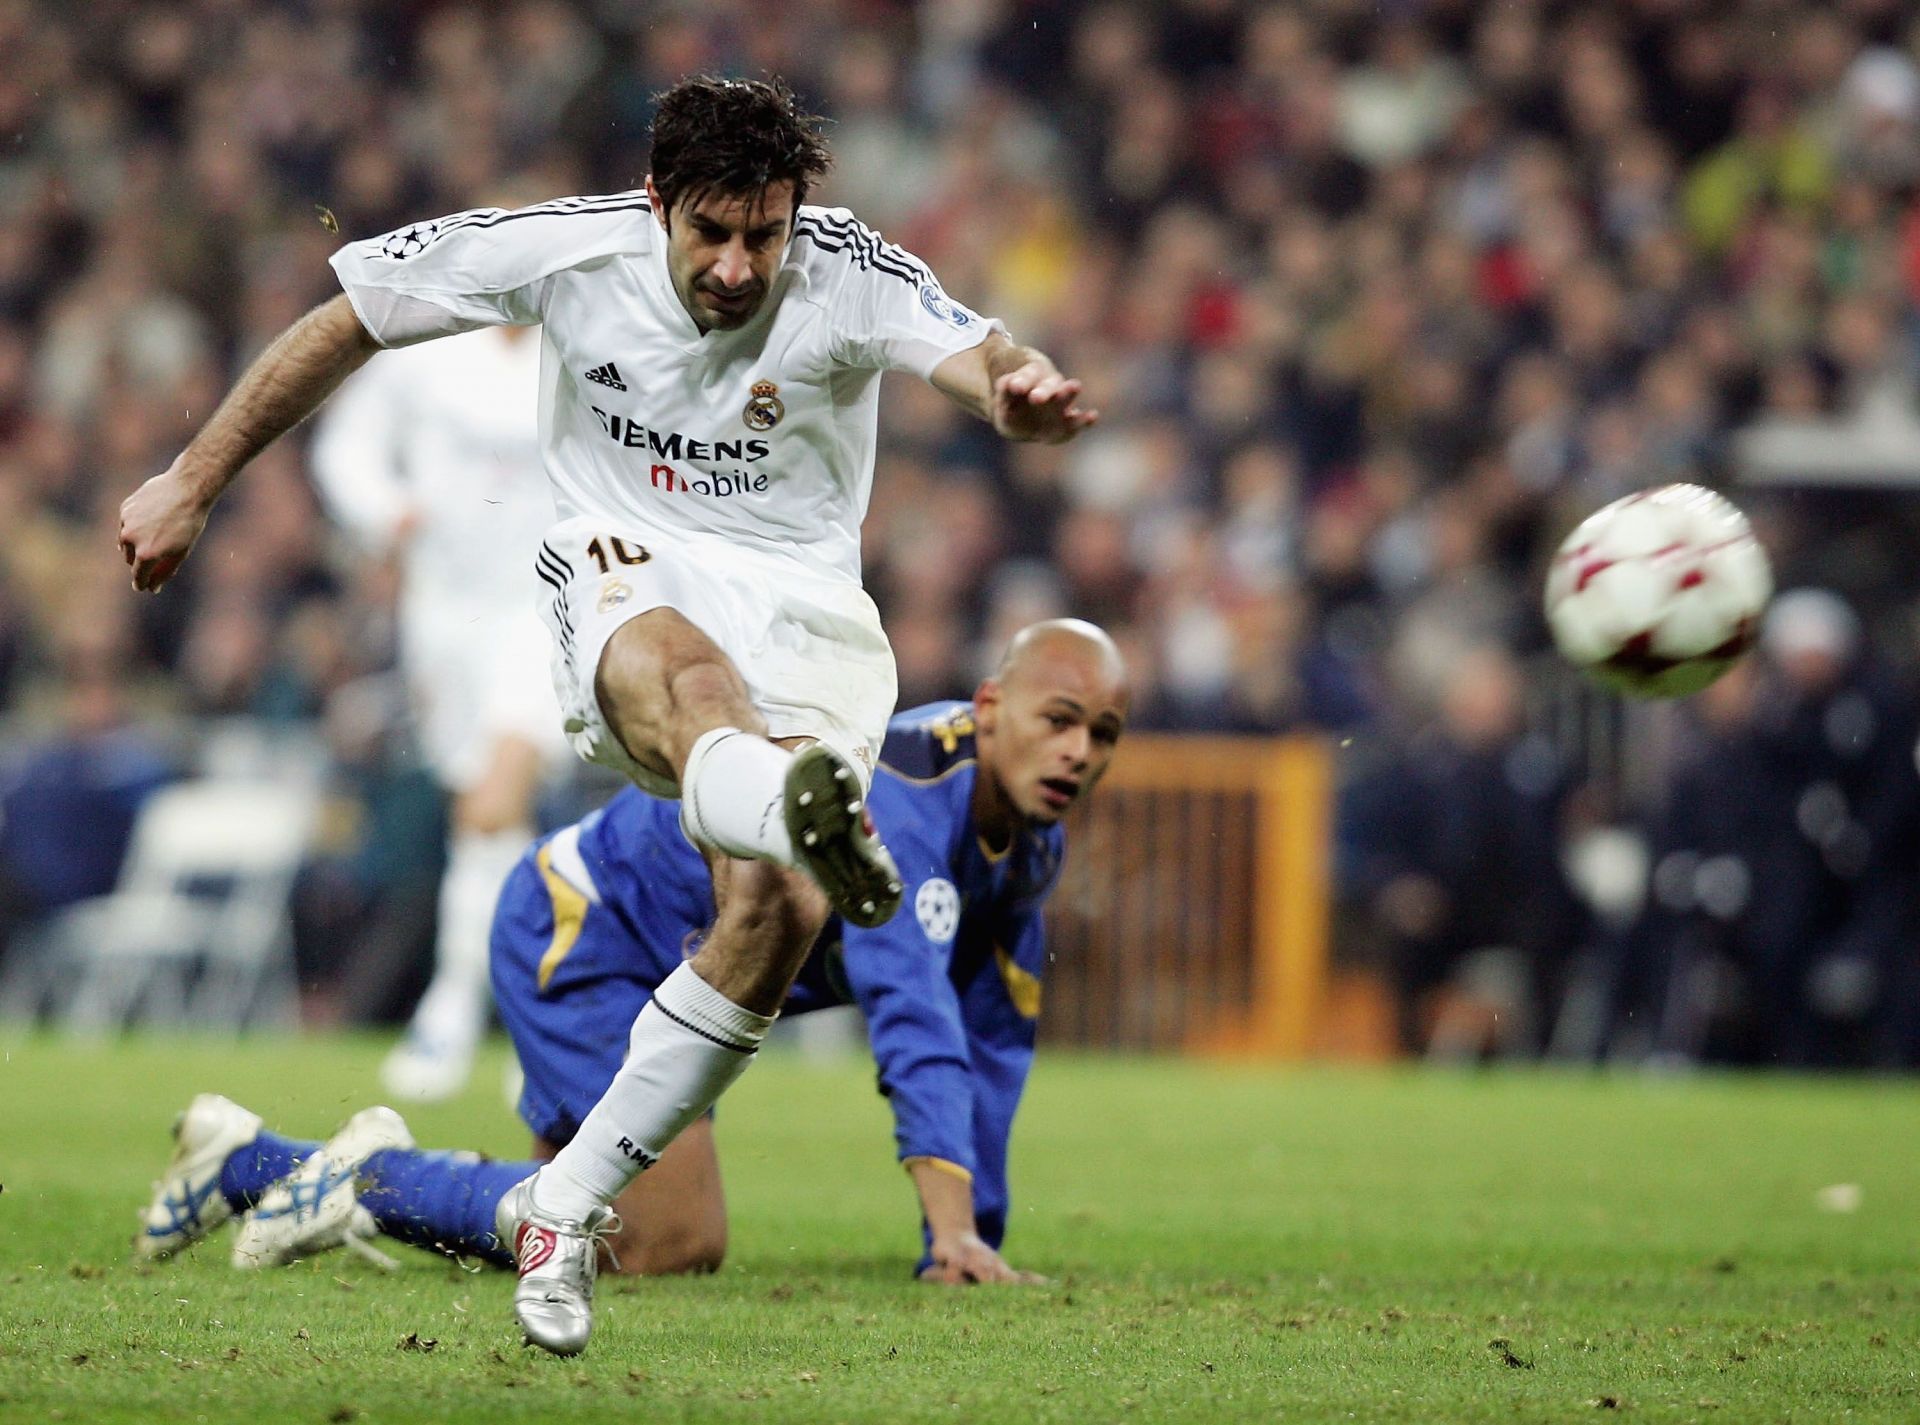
970	796
431	456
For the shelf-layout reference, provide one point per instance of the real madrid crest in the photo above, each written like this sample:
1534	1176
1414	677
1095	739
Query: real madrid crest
765	408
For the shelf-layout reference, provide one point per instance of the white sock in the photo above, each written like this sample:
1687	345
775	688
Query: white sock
733	795
454	1009
687	1046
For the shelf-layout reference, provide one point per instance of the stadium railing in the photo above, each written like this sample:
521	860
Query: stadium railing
1194	910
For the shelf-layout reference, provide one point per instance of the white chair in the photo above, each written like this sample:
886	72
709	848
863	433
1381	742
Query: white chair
197	930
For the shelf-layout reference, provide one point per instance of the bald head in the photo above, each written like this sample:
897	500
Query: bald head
1038	646
1050	716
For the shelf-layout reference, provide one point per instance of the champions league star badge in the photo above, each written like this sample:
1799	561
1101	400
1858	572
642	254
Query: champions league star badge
764	410
407	242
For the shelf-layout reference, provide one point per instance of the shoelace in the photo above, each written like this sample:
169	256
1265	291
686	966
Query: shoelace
372	1253
600	1237
603	1236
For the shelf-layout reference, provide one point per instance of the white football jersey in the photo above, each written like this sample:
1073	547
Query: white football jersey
760	438
448	437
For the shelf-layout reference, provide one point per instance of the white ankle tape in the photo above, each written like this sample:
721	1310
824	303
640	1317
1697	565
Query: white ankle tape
732	795
692	824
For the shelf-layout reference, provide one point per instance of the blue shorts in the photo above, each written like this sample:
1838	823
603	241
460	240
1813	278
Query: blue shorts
571	1035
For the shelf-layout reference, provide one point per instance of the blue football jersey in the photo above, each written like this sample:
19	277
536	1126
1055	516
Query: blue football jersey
950	987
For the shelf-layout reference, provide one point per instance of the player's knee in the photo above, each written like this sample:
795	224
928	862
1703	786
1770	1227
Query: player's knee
662	682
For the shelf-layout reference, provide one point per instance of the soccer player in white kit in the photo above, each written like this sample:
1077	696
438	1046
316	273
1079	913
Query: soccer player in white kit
711	353
432	453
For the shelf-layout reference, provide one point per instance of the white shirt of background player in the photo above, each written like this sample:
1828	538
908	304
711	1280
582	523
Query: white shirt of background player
433	454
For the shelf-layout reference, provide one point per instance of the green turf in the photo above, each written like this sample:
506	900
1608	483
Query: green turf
1229	1244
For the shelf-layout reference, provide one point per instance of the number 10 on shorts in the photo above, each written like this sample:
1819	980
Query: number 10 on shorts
623	553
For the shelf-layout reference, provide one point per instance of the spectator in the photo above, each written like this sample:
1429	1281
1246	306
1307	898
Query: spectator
1449	847
1376	300
69	800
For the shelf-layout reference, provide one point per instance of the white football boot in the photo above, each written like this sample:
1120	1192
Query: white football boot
834	840
557	1261
314	1208
187	1203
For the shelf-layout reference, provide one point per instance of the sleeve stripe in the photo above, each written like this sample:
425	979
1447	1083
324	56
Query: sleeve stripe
884	256
854	231
861	259
496	216
554	208
866	247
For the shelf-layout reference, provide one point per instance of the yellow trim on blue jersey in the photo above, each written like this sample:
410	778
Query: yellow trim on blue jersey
569	914
942	1165
950	729
894	771
994	858
1022	988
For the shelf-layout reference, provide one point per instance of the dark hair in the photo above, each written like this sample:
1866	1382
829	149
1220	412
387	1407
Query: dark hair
736	137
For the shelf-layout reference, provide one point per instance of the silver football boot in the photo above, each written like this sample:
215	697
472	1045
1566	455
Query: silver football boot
834	840
557	1261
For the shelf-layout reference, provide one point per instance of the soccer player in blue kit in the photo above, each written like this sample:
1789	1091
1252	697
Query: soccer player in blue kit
969	796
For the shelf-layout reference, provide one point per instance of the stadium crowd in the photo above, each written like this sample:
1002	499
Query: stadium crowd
1377	300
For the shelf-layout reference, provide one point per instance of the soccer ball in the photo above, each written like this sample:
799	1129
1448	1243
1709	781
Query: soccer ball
1659	593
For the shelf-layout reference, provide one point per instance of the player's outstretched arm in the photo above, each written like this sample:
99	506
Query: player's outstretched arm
160	521
1017	390
960	1255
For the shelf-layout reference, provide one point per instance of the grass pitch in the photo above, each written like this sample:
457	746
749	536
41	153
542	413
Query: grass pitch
1228	1244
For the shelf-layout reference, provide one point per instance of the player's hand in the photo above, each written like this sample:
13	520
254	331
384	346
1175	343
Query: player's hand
159	523
966	1259
1035	402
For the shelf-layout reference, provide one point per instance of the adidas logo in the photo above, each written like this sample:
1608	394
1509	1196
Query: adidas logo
608	375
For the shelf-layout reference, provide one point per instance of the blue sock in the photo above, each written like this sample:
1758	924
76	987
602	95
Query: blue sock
251	1170
443	1201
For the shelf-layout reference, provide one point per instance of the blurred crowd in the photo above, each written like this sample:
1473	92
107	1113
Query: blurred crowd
1377	300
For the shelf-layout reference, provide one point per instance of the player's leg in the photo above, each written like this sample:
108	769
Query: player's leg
681	709
569	1015
491	824
698	1033
673	1218
368	1178
692	1040
664	689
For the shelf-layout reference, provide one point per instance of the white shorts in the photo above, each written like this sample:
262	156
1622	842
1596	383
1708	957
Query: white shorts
472	680
811	651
